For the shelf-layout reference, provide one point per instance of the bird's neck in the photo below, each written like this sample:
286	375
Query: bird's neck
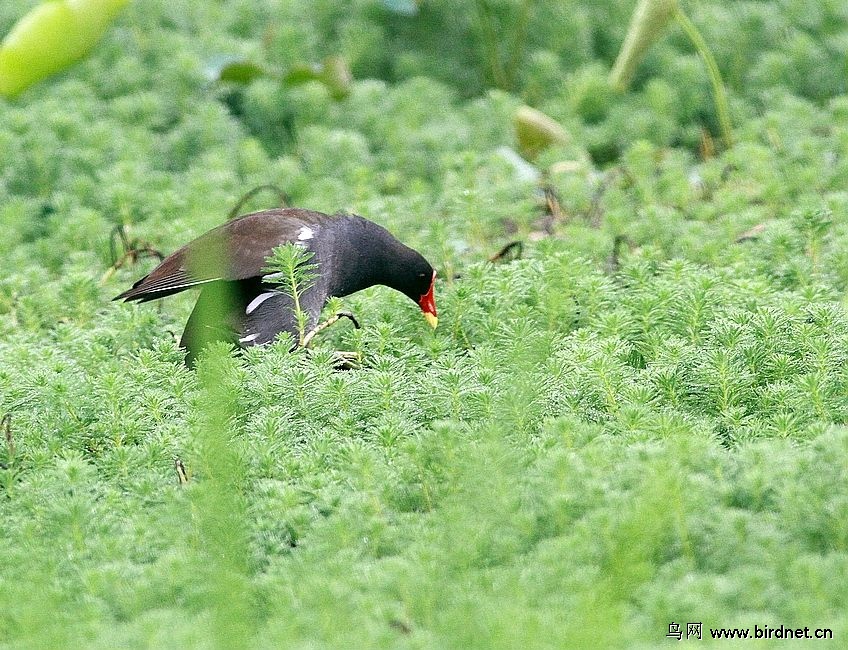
364	254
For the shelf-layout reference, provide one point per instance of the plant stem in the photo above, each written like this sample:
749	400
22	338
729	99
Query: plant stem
295	294
490	43
719	92
519	37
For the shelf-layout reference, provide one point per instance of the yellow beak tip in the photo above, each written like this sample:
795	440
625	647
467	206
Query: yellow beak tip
432	321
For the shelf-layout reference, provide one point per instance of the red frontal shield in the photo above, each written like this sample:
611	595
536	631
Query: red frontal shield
428	304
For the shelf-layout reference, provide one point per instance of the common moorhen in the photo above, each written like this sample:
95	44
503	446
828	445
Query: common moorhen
239	305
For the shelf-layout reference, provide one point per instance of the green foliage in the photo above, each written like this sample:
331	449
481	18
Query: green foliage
290	268
587	448
219	536
650	19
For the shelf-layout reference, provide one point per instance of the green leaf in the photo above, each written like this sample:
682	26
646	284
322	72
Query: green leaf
333	72
227	69
536	131
647	25
302	73
336	76
50	38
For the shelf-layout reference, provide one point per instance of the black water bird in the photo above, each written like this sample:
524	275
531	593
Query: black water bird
237	302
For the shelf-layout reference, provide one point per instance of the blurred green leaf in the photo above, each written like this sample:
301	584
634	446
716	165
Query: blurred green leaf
51	37
303	72
647	25
227	69
336	76
536	131
333	72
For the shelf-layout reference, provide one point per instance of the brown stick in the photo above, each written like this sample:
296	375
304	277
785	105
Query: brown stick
552	203
134	250
281	195
516	245
182	475
6	425
117	231
613	262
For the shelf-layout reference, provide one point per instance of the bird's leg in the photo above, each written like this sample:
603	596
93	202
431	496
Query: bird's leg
346	360
330	321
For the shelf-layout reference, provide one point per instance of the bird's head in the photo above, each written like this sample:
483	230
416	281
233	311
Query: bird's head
420	282
377	257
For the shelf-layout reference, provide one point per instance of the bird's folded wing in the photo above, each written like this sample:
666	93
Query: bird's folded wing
236	250
266	316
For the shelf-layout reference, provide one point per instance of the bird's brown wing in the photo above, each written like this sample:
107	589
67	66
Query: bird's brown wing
236	250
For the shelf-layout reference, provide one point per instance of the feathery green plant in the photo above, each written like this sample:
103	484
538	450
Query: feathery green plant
582	453
219	537
289	267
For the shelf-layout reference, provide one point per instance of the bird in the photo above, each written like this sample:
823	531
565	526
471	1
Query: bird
240	304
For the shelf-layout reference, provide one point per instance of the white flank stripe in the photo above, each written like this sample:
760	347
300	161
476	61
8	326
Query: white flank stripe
258	300
249	338
305	233
184	285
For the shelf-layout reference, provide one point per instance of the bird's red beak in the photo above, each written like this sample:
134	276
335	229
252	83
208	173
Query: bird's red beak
428	304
